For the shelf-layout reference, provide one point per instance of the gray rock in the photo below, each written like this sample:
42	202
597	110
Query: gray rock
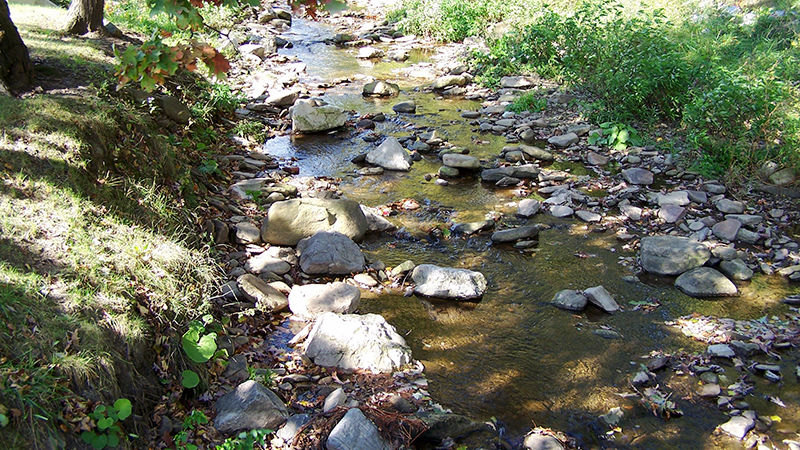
725	253
738	426
291	220
353	342
679	198
246	233
561	211
570	299
671	213
267	263
447	282
672	255
528	207
375	220
448	81
473	227
402	268
728	206
369	53
408	106
175	109
782	177
588	216
727	229
497	174
380	89
637	175
747	236
630	211
536	153
709	390
284	97
334	399
705	282
537	441
564	140
390	155
250	406
449	172
356	432
330	253
262	294
698	197
518	82
460	161
516	234
596	159
309	118
748	220
601	298
292	426
736	269
310	300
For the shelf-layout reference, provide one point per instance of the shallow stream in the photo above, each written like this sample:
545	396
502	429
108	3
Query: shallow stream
512	356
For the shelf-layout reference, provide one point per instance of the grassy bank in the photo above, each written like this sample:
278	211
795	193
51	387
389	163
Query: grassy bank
99	259
725	76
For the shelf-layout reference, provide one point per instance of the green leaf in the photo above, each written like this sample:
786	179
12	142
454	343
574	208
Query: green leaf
189	379
3	420
208	318
99	441
88	436
113	440
102	424
123	407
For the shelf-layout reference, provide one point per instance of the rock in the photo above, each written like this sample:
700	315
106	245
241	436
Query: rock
564	140
443	425
390	155
518	82
380	89
537	153
267	263
606	334
671	213
705	282
638	175
369	53
355	432
630	211
246	233
672	255
262	294
595	159
570	299
727	229
528	207
473	227
541	441
330	253
516	234
309	118
405	107
601	298
460	161
736	269
561	211
291	220
310	300
613	417
449	80
334	399
292	426
709	390
738	426
447	282
588	216
698	197
352	342
365	279
448	172
728	206
678	198
284	97
747	236
175	109
782	177
375	220
402	268
747	220
248	407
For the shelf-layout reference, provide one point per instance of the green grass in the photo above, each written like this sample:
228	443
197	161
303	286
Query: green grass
529	101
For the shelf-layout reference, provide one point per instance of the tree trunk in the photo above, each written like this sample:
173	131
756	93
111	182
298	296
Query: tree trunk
16	70
85	16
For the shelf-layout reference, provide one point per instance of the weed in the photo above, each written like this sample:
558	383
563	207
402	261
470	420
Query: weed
107	432
615	135
529	101
246	440
251	130
191	422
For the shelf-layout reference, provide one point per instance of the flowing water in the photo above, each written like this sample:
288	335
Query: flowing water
512	356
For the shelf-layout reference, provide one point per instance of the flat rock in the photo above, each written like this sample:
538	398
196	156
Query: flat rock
601	298
352	342
448	81
516	234
289	221
309	118
447	282
596	159
672	255
728	206
248	407
727	229
369	53
705	282
266	263
528	207
390	155
246	233
536	153
738	426
570	299
537	441
783	177
564	140
637	175
671	213
679	198
518	82
330	253
310	300
588	216
292	426
460	161
473	227
375	220
409	107
561	211
355	432
262	294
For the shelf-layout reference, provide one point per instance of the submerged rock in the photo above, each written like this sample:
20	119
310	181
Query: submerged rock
405	107
352	342
516	234
705	282
447	282
291	220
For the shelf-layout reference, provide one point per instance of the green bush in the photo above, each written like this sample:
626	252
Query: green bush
529	101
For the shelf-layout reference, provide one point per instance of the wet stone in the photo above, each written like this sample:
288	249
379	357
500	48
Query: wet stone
447	282
672	255
405	107
601	298
738	426
709	390
570	300
516	234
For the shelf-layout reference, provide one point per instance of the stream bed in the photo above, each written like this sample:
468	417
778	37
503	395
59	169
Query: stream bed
512	356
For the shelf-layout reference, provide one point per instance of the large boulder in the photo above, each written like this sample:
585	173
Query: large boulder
448	282
672	255
307	117
310	300
355	432
291	220
390	155
248	407
705	282
352	342
330	253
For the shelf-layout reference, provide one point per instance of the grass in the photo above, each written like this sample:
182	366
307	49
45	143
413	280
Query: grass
723	77
98	253
529	101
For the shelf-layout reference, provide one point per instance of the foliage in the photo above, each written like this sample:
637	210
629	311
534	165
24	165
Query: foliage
615	135
250	129
529	101
209	167
246	440
107	431
200	346
191	422
215	99
450	20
